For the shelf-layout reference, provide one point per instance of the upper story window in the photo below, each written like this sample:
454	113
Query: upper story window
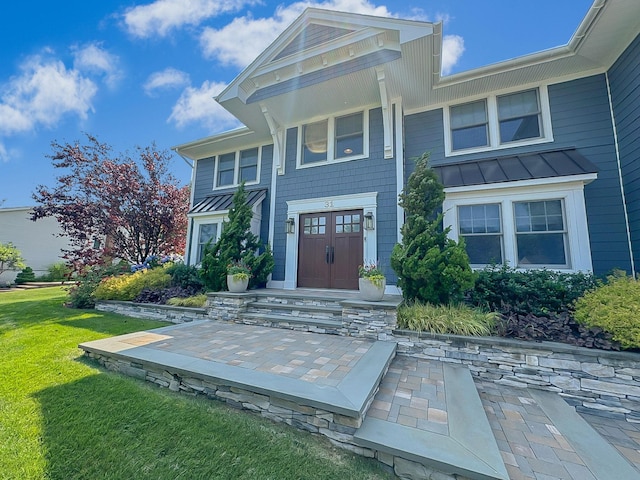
469	125
519	116
333	140
498	122
236	167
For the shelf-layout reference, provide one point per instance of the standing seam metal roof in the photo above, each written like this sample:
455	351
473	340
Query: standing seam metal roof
529	166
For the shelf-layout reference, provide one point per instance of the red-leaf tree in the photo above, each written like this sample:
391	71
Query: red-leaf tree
114	207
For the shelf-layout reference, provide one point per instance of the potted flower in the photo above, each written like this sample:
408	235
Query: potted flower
372	282
238	275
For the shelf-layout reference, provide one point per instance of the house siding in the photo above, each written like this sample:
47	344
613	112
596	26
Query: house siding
624	82
580	119
372	174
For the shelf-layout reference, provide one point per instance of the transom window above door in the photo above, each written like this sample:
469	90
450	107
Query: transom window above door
335	139
498	121
233	168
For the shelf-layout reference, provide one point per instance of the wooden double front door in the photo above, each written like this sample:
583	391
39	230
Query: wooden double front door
330	249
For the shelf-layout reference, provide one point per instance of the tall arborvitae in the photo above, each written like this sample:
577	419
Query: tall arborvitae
236	243
430	266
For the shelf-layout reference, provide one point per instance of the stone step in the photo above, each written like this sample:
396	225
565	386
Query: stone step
457	441
318	325
599	456
296	310
304	297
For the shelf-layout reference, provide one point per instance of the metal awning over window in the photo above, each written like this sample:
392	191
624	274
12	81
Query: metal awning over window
529	166
223	201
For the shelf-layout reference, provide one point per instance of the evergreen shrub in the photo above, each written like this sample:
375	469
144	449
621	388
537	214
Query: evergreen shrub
25	275
431	267
538	292
236	244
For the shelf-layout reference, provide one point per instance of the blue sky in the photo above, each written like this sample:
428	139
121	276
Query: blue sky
140	72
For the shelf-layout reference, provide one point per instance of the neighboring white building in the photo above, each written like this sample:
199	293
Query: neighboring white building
38	242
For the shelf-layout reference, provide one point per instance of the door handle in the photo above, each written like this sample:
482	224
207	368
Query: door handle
329	254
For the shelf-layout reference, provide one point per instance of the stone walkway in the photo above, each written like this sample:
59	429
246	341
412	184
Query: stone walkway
411	395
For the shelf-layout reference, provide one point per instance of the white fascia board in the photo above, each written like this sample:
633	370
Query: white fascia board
230	140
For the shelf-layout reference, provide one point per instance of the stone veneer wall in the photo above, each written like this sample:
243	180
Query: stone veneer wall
152	311
598	382
594	381
339	429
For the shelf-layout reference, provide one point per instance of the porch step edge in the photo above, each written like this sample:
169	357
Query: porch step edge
314	322
288	306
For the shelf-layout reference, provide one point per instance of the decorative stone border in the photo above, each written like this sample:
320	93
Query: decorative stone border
598	382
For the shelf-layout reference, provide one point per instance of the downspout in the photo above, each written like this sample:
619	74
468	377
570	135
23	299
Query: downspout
624	199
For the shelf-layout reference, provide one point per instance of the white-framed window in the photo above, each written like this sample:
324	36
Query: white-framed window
233	168
498	121
335	139
204	229
481	227
525	226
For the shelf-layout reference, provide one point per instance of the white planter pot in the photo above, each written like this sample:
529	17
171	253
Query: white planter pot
237	285
370	291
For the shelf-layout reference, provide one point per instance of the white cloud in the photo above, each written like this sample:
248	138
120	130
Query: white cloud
196	105
241	41
162	16
93	58
166	79
43	92
4	156
452	49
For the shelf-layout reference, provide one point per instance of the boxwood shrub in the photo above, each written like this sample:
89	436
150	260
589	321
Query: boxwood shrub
539	292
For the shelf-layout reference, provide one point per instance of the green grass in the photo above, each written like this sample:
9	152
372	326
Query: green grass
62	417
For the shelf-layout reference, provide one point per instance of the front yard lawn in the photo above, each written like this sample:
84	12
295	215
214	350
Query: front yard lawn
62	417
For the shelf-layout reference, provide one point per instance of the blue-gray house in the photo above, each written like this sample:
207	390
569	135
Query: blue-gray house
539	155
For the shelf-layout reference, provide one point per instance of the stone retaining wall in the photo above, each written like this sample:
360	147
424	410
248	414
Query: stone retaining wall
594	381
152	311
339	429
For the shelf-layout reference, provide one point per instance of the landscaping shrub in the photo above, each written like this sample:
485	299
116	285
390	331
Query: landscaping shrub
81	294
431	267
185	276
25	275
197	301
446	319
57	272
554	327
236	243
538	292
128	286
615	308
162	295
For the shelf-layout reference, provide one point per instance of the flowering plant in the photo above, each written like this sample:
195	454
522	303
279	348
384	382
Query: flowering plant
153	261
372	271
239	270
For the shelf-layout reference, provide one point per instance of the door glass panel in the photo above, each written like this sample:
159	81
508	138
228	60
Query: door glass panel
347	228
338	228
